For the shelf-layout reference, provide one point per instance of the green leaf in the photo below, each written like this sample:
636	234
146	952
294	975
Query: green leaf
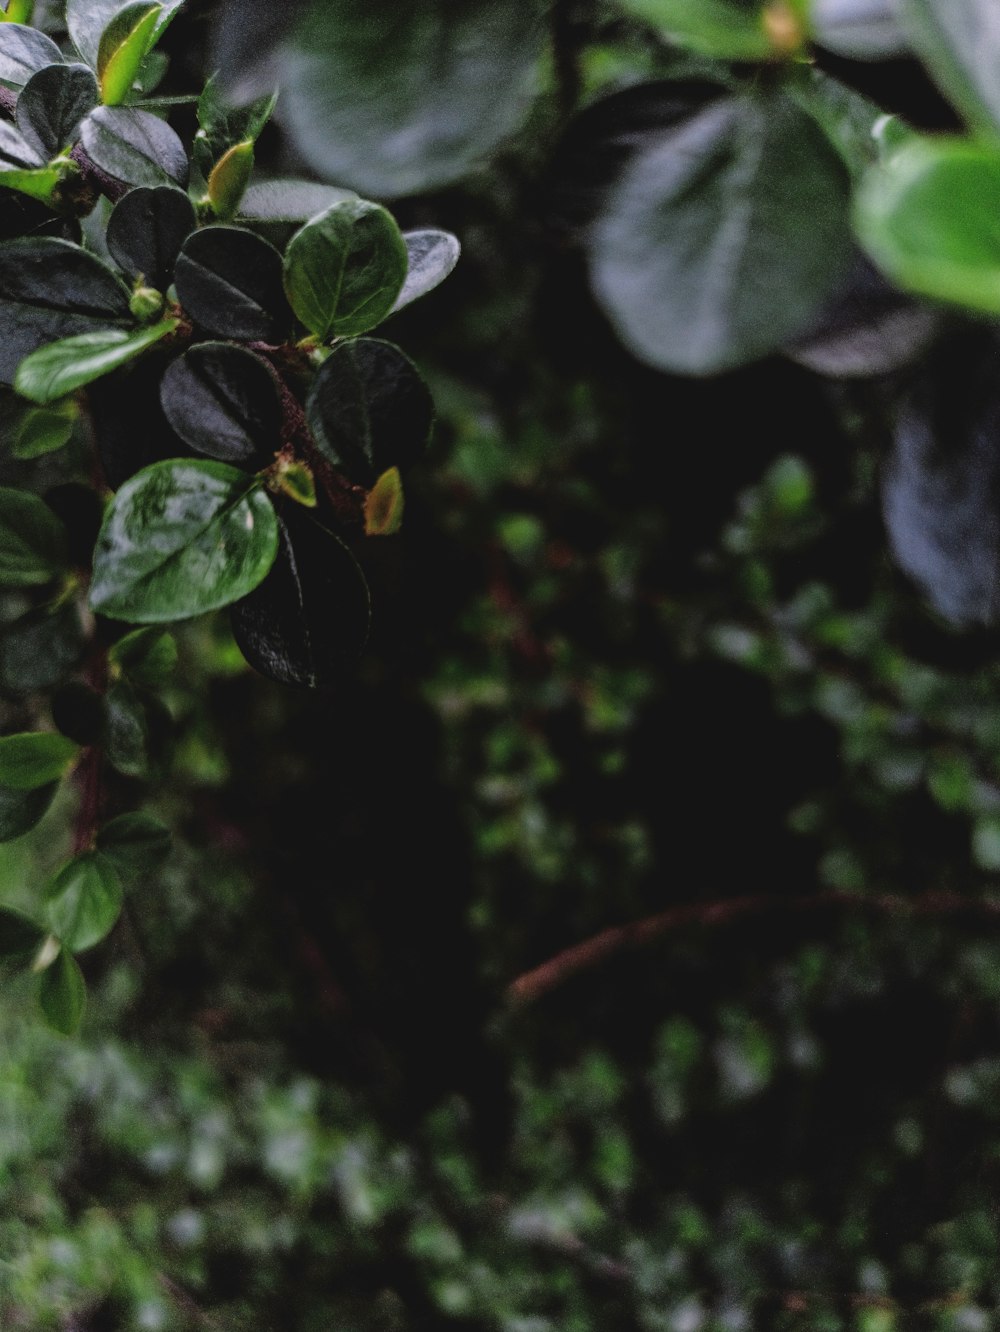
223	127
181	538
20	811
959	42
134	844
345	269
928	219
41	430
20	936
136	732
35	758
134	146
228	179
393	108
223	402
23	52
724	238
18	11
33	542
52	104
40	183
123	46
295	480
146	230
289	200
87	20
384	505
62	367
431	256
41	648
62	994
146	656
84	900
727	29
230	282
52	289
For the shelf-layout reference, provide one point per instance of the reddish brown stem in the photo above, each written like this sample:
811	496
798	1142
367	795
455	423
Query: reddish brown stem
591	952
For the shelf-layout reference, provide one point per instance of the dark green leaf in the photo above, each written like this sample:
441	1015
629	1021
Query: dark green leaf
52	105
33	547
23	52
62	367
62	994
432	255
181	538
223	401
84	901
35	758
927	218
146	656
146	231
87	19
116	405
20	937
135	844
41	648
134	146
78	711
42	430
289	200
51	289
123	47
20	811
369	409
728	29
229	281
307	623
137	730
345	269
392	108
16	153
723	241
959	42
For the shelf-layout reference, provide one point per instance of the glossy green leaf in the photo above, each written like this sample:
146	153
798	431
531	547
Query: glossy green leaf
84	900
289	200
134	146
20	936
146	656
395	108
62	367
87	20
725	238
35	758
51	289
431	256
345	269
20	811
23	52
927	218
959	42
181	538
223	401
369	409
146	230
52	104
229	281
123	46
33	544
62	994
307	623
134	844
728	29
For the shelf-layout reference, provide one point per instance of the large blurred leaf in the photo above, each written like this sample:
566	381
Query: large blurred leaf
395	100
345	269
729	29
959	42
181	538
941	489
725	238
860	29
51	289
307	623
929	219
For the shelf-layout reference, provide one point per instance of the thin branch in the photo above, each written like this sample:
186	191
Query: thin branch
591	952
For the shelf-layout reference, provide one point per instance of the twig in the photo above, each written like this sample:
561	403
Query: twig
591	952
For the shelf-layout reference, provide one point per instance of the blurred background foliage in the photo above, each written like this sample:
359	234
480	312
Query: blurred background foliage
640	647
